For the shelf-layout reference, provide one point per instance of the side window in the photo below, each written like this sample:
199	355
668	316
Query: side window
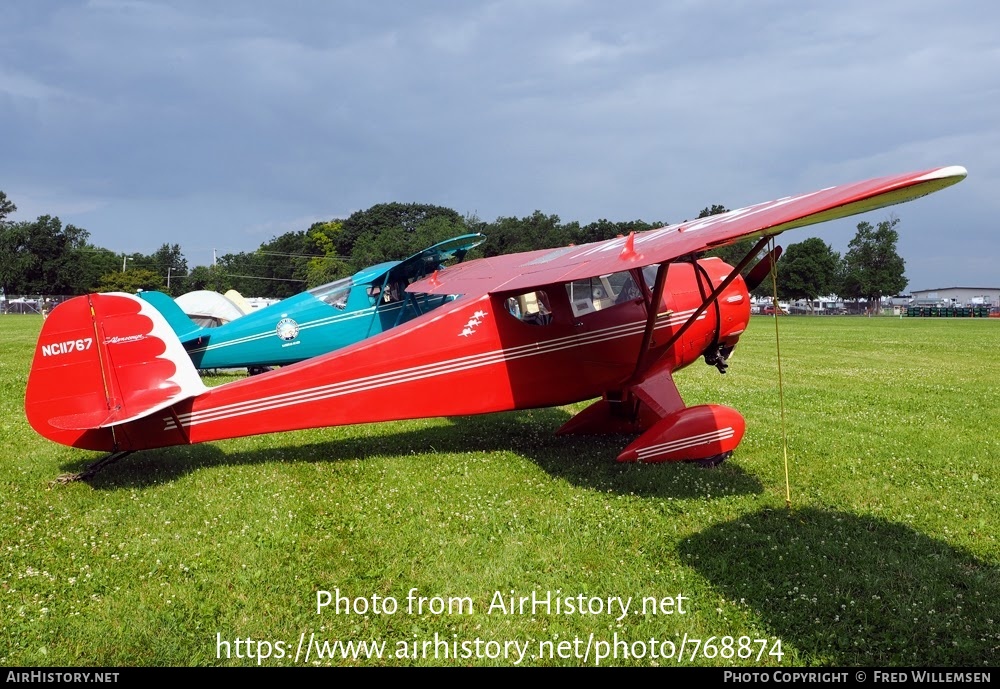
390	294
581	296
598	293
624	287
393	292
531	308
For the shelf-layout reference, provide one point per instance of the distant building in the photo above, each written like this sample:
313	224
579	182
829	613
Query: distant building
824	305
956	296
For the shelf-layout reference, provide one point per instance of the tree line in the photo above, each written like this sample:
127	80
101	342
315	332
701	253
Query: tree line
870	270
45	257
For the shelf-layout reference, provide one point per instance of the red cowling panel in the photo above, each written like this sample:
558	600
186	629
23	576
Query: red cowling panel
692	433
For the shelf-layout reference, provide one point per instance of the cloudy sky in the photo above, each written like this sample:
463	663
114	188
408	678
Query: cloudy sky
220	125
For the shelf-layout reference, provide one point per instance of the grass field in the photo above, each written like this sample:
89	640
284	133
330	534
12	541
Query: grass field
889	554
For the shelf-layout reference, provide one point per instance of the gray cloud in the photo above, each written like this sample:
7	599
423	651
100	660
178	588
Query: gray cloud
156	121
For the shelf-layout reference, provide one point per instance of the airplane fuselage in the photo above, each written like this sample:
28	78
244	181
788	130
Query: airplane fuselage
555	345
304	327
610	320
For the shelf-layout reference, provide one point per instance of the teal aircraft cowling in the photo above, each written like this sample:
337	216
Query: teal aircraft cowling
320	320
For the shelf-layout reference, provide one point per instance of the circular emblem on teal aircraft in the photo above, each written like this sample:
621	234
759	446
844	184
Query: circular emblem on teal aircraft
287	329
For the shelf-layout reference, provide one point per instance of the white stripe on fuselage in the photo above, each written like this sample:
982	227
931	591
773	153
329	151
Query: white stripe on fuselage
407	375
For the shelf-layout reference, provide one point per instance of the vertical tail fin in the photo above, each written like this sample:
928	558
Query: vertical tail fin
102	360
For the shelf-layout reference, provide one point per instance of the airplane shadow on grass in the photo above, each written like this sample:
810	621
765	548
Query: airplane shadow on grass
586	461
849	590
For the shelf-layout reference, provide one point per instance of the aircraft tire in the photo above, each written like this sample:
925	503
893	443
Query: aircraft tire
713	461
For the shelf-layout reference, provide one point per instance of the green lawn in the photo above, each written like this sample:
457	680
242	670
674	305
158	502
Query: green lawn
888	556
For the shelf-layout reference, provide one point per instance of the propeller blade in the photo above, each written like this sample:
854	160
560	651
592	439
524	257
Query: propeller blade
762	269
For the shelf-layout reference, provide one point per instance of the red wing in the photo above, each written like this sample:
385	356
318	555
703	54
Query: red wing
523	271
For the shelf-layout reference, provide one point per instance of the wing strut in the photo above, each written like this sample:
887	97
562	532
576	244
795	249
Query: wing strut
651	314
718	290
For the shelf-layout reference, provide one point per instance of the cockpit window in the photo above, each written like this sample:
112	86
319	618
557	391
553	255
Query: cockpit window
531	308
598	293
334	293
389	294
393	292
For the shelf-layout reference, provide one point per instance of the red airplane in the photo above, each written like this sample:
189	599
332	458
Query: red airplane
610	320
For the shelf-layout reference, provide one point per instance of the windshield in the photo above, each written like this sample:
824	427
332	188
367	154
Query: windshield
334	293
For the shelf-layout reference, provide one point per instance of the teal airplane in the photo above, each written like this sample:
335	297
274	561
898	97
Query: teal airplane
320	320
